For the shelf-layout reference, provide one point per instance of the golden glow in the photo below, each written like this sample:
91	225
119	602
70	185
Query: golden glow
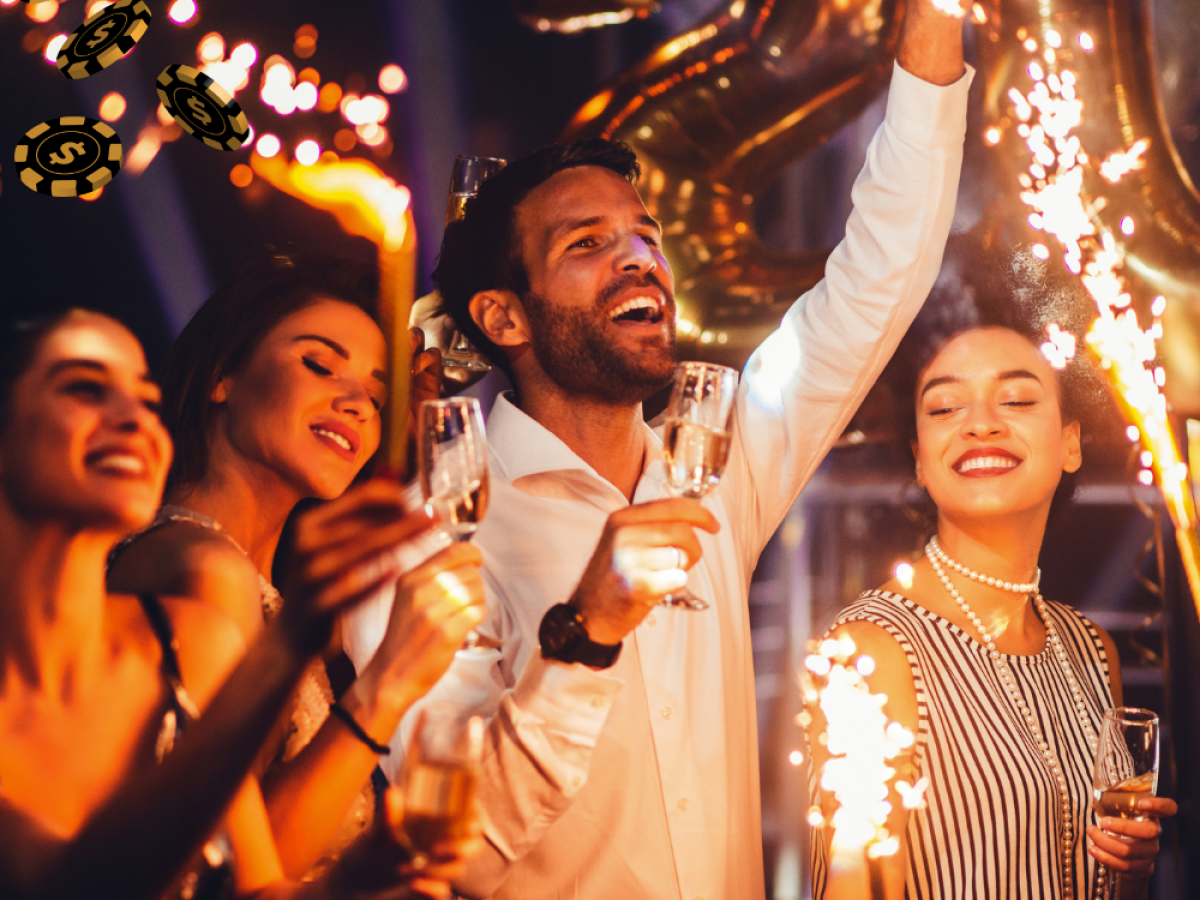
672	49
365	201
112	107
241	175
211	47
44	12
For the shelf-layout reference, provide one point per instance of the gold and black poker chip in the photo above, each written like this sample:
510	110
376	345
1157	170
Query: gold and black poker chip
106	37
69	156
203	108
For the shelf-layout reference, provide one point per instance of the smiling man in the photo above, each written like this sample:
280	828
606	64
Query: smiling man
622	757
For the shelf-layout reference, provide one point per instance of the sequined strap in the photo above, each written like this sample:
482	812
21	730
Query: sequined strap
181	708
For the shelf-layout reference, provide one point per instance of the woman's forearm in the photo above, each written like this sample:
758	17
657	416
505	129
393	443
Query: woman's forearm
309	796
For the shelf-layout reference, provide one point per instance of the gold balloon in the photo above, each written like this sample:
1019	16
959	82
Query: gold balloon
1115	80
715	114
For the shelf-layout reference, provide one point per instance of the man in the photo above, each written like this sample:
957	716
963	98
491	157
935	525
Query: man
622	759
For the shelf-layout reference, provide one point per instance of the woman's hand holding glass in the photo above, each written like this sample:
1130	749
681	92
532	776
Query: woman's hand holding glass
1123	788
339	557
438	604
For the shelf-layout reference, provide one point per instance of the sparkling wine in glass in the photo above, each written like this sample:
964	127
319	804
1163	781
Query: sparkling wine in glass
696	439
1126	764
453	463
440	778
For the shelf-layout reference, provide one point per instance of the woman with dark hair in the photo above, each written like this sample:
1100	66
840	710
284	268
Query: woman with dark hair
1004	690
272	394
111	780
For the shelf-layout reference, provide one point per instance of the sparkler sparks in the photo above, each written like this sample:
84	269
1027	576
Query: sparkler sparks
1056	187
861	743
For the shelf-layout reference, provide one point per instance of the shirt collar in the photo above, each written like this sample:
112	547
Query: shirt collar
522	447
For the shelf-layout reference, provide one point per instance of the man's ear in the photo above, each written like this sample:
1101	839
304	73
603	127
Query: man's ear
500	316
1073	453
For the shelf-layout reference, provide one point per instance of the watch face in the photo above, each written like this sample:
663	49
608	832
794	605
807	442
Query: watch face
560	628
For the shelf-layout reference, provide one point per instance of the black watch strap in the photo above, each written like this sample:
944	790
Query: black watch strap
564	638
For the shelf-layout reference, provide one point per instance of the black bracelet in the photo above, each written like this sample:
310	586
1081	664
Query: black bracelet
357	730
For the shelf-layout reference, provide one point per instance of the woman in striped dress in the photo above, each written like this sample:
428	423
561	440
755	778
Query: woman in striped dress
1004	690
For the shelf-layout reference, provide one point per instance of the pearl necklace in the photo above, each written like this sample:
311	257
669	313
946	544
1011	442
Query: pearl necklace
937	556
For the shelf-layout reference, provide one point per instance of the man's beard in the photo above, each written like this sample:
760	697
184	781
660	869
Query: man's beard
571	348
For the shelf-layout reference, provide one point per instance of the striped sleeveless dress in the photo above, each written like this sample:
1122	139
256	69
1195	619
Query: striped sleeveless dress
991	827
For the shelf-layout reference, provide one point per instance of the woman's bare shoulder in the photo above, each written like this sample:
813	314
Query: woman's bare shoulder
185	561
210	644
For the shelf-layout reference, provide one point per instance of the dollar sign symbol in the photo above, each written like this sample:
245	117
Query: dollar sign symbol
101	33
65	156
197	106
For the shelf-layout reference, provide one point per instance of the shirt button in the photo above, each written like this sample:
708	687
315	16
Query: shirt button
683	805
666	712
650	620
597	701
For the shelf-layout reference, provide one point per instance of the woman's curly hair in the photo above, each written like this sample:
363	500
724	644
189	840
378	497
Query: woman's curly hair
980	288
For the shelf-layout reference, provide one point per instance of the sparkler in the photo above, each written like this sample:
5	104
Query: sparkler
369	204
1056	186
861	743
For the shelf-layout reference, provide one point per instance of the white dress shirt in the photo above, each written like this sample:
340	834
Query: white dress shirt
641	781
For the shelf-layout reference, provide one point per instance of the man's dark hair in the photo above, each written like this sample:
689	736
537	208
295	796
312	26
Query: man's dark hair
227	329
482	252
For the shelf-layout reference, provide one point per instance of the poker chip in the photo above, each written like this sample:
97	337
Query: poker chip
69	156
203	108
107	36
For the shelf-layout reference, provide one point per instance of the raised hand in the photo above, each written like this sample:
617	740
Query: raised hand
635	564
339	557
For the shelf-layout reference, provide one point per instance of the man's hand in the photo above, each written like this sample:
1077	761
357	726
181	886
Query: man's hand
1128	847
642	556
931	45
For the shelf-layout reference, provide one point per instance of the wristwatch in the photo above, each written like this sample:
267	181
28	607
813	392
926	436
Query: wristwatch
563	638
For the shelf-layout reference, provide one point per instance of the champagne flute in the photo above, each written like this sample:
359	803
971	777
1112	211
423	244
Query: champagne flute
696	440
1126	765
441	774
468	174
453	463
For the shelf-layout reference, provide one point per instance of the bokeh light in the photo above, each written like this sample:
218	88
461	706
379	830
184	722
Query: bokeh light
306	41
305	95
94	6
241	175
308	152
268	145
92	195
182	11
244	55
211	47
112	107
392	79
53	46
331	97
345	140
42	12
